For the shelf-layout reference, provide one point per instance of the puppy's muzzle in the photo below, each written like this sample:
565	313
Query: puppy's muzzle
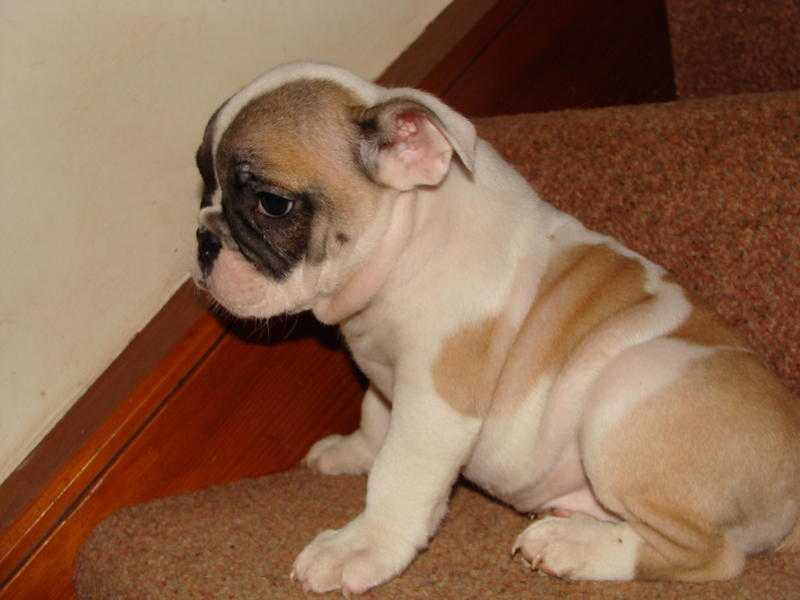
208	247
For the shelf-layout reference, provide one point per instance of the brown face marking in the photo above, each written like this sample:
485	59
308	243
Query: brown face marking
297	142
300	137
583	287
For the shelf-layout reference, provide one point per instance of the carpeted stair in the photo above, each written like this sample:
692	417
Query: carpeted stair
239	541
709	188
734	46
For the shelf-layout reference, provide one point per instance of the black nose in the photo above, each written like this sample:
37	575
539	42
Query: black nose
208	247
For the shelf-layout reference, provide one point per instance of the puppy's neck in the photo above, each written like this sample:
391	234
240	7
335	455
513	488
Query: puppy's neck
367	280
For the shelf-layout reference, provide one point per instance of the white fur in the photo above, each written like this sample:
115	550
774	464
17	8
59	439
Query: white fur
374	254
435	260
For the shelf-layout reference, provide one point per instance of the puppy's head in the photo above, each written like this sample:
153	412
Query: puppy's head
301	170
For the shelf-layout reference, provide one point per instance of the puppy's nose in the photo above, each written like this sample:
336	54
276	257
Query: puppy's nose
208	247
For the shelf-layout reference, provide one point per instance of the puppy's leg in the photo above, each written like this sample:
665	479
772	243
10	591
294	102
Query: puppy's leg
706	470
353	454
702	472
407	493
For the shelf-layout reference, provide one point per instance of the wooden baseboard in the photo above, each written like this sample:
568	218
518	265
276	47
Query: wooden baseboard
101	424
440	50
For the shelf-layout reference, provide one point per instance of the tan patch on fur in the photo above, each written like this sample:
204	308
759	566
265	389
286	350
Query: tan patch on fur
461	375
583	287
697	552
705	328
717	451
597	285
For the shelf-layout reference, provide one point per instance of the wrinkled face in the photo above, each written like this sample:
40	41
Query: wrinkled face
285	193
302	170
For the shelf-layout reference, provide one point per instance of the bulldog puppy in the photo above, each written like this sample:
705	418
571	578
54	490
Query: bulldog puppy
504	341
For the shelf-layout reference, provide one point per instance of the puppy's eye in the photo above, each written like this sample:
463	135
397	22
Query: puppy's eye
274	206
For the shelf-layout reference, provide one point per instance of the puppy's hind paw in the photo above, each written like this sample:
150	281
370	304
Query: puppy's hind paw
340	455
580	547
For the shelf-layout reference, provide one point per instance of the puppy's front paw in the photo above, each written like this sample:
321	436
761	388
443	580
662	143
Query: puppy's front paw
341	455
354	559
580	547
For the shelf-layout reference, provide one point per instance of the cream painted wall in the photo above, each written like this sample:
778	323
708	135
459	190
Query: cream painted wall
102	104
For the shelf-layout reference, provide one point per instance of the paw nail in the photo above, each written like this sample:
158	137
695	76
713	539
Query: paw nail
515	547
549	571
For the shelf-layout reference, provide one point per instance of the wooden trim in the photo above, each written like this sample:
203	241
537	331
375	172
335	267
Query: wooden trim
93	434
568	54
426	55
452	66
151	344
101	424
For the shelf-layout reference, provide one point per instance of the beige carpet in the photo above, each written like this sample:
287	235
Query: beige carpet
239	542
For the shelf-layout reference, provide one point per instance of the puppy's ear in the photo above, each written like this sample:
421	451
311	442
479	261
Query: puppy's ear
205	164
205	160
408	140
